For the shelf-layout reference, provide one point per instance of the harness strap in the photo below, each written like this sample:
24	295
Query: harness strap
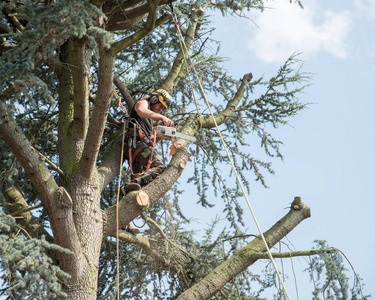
133	155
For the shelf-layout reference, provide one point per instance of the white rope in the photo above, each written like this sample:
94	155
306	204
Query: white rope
117	295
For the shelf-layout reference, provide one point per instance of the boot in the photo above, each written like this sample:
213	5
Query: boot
130	187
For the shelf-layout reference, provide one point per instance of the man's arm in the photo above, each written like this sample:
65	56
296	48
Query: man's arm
141	107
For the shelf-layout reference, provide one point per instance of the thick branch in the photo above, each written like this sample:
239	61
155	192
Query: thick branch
208	122
149	27
99	116
80	73
121	16
245	257
110	166
129	209
55	199
193	123
178	64
28	158
16	203
67	155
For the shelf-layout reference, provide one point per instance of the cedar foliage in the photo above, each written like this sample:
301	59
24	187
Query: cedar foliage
53	63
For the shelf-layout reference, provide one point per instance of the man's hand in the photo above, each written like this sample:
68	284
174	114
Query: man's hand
167	122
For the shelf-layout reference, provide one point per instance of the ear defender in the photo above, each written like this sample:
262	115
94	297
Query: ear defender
153	99
162	96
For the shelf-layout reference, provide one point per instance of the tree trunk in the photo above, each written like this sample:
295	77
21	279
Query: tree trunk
83	265
82	184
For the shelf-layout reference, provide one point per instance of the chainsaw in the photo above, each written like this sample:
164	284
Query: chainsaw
168	133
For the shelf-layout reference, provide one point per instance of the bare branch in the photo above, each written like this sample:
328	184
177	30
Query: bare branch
99	116
294	253
80	73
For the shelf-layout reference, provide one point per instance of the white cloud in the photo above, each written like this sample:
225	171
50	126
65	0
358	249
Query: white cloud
286	29
367	7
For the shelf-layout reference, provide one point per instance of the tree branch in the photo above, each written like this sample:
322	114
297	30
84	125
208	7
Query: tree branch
208	122
28	158
145	244
100	112
121	16
246	256
9	91
149	27
17	204
80	73
129	209
172	78
53	166
110	166
294	253
54	198
124	92
14	20
156	225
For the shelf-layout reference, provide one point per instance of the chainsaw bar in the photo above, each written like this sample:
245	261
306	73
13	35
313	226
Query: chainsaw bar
171	132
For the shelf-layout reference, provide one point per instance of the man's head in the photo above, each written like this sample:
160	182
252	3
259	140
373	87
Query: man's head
159	100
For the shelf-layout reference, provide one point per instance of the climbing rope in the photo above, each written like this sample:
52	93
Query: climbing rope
117	216
226	150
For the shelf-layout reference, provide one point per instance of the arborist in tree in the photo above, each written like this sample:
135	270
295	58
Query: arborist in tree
141	139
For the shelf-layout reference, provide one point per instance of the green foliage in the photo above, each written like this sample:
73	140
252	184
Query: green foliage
27	269
46	29
328	274
32	64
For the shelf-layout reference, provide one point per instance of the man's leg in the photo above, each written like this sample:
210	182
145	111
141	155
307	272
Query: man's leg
139	165
157	167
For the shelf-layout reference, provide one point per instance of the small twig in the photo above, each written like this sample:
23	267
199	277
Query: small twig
24	231
53	166
200	48
149	220
26	210
239	236
355	273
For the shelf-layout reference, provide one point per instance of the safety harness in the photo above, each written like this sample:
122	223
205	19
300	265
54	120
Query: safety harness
132	134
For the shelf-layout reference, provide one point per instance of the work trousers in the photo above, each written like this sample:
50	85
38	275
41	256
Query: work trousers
140	161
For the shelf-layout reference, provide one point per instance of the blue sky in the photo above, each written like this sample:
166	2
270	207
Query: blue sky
329	149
